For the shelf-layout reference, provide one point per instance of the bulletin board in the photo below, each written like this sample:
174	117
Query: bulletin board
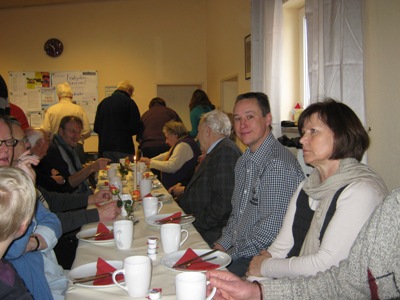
35	91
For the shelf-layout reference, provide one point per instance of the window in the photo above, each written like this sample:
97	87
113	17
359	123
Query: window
295	71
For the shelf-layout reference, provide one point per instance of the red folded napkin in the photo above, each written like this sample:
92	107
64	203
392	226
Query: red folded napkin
148	195
175	215
202	265
106	234
104	267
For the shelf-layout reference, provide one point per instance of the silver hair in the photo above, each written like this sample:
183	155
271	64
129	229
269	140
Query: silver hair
218	121
64	90
126	86
34	134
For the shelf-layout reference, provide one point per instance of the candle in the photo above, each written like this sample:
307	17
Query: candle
134	173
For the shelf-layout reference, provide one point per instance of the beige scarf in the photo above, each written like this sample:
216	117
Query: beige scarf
349	171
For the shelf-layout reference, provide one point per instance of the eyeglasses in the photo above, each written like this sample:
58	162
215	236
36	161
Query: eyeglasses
9	142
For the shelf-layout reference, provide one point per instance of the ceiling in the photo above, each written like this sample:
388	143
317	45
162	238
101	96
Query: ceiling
4	4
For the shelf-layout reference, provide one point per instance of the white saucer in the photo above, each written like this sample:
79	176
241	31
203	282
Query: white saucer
90	270
92	231
223	259
152	220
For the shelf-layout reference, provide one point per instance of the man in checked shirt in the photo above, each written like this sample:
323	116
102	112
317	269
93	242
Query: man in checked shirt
266	176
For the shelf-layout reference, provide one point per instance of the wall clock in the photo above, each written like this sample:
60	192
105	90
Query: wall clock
53	47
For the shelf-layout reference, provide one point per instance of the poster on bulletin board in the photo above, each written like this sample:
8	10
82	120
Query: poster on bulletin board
35	91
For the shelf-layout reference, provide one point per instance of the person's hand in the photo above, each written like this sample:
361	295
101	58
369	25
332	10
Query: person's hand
25	162
176	190
231	287
255	264
54	172
99	164
40	148
33	244
219	247
100	196
146	160
58	178
109	211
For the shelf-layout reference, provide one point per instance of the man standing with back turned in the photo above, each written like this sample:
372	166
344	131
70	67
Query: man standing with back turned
117	120
266	176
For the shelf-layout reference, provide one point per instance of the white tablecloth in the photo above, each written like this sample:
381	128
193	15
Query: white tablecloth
161	276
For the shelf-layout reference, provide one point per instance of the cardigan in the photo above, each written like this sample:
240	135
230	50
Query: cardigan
372	270
354	206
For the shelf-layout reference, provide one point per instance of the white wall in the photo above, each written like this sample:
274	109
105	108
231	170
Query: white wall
382	87
148	42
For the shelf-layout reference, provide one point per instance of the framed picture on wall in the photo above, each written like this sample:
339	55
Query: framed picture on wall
247	57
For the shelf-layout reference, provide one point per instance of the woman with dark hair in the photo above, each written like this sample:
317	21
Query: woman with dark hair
330	207
199	104
179	163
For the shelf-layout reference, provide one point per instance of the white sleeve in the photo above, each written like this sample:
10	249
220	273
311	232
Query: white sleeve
86	126
46	122
161	156
354	207
182	153
48	235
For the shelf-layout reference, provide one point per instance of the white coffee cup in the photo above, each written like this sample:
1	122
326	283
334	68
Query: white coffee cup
114	166
122	161
145	186
151	206
141	166
111	173
139	177
192	285
137	273
171	237
123	234
125	198
117	182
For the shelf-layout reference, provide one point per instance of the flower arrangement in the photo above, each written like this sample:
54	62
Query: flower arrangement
127	204
123	170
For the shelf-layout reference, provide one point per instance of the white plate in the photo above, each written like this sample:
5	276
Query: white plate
92	231
90	270
156	184
162	197
152	220
223	259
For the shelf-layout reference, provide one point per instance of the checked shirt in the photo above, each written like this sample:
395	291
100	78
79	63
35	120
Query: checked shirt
264	183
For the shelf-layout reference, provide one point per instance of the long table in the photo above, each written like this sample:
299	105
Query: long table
161	276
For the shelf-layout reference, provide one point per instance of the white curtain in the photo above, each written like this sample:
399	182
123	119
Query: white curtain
335	52
266	53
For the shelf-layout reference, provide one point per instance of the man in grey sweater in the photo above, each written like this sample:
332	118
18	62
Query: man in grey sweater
372	270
